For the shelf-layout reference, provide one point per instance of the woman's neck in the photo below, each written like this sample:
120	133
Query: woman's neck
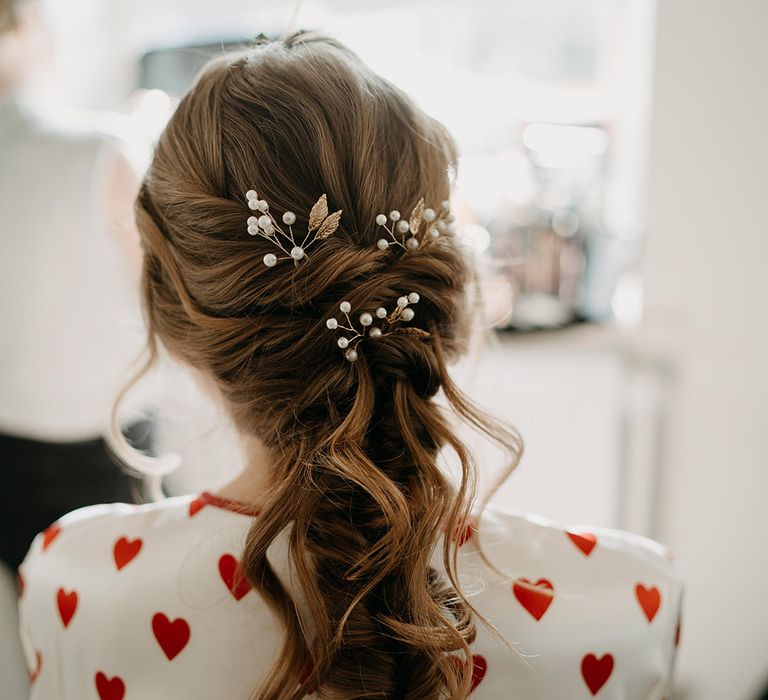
252	484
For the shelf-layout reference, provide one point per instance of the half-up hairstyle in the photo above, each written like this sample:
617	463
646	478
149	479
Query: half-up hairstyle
354	445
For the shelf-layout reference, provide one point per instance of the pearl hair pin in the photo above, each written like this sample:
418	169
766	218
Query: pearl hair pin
435	224
402	312
321	223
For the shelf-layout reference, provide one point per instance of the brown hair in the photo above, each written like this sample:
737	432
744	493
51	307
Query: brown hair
355	445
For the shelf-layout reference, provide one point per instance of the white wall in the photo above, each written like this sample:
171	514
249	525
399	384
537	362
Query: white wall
707	258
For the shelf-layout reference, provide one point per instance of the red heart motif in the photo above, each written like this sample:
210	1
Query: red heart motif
585	541
462	536
534	597
596	671
109	688
196	505
50	534
306	672
234	578
125	550
468	530
67	603
479	668
171	636
649	599
35	672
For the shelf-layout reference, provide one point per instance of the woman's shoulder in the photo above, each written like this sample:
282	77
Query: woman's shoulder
589	608
71	537
582	561
94	517
536	536
151	571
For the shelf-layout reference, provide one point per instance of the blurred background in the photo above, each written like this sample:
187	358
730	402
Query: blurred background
613	179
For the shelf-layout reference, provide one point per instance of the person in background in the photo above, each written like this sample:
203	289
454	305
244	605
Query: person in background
69	322
300	256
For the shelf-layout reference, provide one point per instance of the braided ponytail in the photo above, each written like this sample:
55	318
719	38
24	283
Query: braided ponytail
355	445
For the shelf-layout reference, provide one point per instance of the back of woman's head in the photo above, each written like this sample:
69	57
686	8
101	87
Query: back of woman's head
354	444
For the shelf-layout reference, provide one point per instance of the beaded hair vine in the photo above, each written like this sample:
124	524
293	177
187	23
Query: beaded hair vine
322	225
436	223
402	312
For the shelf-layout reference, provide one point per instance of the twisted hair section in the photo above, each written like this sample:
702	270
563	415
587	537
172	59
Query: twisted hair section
357	480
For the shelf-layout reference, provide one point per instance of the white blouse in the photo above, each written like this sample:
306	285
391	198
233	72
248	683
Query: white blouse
145	603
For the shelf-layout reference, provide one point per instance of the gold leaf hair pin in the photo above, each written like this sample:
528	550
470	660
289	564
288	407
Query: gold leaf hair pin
402	312
321	226
435	224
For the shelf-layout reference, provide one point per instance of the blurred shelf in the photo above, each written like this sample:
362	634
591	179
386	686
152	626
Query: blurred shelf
657	339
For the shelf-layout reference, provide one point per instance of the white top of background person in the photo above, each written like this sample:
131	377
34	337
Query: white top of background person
68	252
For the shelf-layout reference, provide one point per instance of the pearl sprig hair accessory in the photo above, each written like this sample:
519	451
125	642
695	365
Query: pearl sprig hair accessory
404	234
402	312
436	223
321	224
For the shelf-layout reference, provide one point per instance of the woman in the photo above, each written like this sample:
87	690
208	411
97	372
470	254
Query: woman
342	561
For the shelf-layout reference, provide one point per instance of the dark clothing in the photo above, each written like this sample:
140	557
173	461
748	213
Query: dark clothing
41	481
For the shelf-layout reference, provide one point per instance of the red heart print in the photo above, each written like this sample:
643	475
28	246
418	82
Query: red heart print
534	597
479	668
465	535
125	551
109	688
306	672
596	672
67	603
585	541
171	636
462	536
649	599
196	505
50	534
35	672
232	575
